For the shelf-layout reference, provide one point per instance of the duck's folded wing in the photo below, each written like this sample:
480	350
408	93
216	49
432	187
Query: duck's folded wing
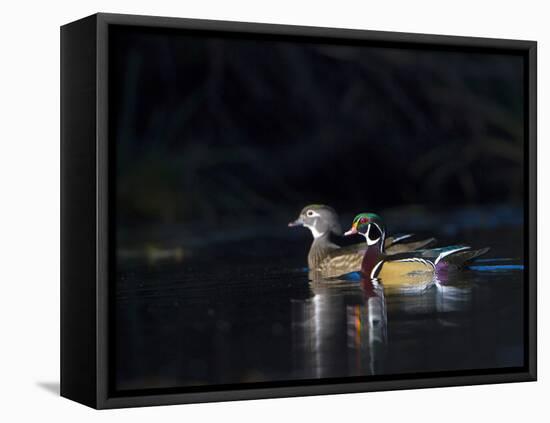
431	254
403	247
397	238
462	258
456	255
344	260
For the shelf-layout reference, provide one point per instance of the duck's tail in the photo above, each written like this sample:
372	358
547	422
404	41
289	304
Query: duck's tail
463	257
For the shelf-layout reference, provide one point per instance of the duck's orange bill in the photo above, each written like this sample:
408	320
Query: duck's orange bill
352	231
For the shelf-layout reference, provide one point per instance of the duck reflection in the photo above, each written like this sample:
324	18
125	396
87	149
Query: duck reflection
341	317
453	300
367	327
343	327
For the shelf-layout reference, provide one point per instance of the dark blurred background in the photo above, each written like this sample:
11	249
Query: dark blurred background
220	142
223	134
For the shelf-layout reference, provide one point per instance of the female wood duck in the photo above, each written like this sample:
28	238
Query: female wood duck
378	264
332	259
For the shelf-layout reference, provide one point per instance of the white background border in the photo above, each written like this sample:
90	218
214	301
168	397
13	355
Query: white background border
29	209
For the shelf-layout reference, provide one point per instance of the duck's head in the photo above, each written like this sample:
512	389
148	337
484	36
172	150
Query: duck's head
319	219
370	225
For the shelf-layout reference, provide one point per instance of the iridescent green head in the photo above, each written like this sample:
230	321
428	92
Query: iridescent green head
370	225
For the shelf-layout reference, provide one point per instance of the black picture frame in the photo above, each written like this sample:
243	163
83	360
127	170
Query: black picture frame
85	215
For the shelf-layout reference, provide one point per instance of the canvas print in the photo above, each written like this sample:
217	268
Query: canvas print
292	210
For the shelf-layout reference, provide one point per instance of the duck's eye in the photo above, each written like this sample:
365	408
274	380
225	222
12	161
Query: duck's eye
363	220
310	213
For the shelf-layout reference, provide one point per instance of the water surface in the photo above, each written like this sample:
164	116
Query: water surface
245	314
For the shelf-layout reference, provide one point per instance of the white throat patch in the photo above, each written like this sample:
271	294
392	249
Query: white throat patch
316	234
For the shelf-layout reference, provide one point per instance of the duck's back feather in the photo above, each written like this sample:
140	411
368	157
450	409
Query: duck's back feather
401	247
462	258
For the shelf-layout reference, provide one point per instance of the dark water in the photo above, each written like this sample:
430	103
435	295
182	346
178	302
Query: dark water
225	320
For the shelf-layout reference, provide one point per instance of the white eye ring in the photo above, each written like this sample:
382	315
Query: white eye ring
310	213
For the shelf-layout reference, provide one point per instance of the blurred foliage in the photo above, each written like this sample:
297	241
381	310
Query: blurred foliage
211	128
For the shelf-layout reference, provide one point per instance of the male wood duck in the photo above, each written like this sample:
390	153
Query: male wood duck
377	264
332	259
